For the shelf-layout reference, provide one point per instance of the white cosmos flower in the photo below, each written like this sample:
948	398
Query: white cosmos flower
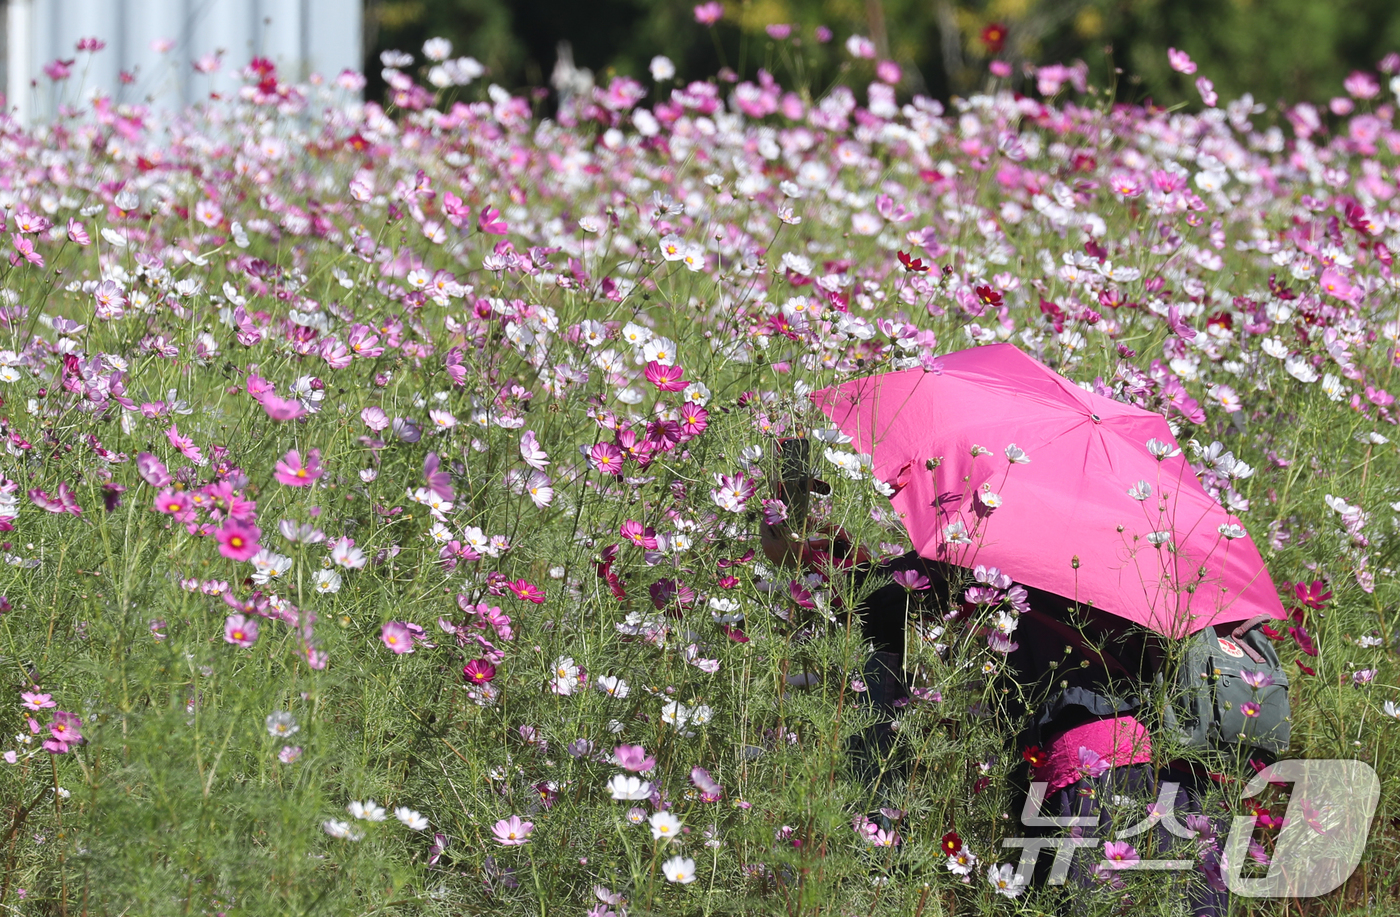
627	787
679	869
1391	710
412	819
366	810
341	829
1161	450
1274	348
327	582
1232	531
664	825
612	686
1159	538
662	350
1338	505
1005	880
1140	491
1016	455
1333	388
956	533
1299	368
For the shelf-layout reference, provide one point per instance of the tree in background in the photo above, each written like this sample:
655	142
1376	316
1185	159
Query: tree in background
1298	49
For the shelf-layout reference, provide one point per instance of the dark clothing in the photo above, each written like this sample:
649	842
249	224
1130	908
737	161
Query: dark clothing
1051	688
1070	666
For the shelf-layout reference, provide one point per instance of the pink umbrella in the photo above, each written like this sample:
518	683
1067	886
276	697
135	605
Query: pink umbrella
1096	514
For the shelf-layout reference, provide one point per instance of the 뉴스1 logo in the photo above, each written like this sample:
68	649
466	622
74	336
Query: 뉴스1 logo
1324	831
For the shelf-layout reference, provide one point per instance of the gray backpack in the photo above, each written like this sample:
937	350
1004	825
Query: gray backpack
1211	706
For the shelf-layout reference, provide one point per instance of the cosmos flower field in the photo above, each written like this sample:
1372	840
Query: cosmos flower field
382	485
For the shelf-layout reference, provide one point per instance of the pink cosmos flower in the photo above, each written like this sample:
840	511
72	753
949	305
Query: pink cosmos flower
1207	91
375	419
294	473
1119	854
1180	61
33	700
512	832
709	13
65	502
489	221
1362	85
694	419
186	446
710	789
240	631
281	408
1256	680
238	540
77	233
66	729
665	378
888	72
152	470
607	458
637	535
398	637
24	251
174	503
633	758
1091	763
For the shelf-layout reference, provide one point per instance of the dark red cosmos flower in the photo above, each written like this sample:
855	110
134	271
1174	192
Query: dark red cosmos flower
1304	641
989	296
1036	755
981	784
913	265
1306	669
994	38
951	843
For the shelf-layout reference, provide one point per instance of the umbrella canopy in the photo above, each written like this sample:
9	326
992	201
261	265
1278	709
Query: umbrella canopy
1094	515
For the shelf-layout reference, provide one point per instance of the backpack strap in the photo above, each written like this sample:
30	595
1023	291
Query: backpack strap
1244	626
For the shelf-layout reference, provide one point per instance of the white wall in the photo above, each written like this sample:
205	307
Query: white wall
301	36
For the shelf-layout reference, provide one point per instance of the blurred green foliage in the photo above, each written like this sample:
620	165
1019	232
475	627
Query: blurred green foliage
1274	49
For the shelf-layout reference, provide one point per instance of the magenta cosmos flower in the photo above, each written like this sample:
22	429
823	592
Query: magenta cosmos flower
240	631
397	637
526	591
238	540
295	473
666	378
478	672
512	832
607	458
